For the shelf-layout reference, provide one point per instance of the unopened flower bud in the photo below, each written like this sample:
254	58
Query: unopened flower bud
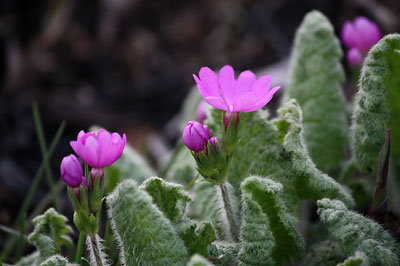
96	172
214	141
200	112
195	136
71	172
228	117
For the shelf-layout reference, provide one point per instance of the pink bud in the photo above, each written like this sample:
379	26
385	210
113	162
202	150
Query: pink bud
200	112
71	171
354	57
227	119
195	136
96	172
213	142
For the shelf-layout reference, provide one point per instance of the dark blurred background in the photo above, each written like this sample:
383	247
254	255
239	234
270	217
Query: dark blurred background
127	65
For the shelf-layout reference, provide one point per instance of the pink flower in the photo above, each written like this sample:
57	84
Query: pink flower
71	171
246	94
362	34
101	150
354	57
200	112
195	136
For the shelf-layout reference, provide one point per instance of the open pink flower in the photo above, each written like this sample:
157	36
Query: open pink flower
361	33
101	150
246	94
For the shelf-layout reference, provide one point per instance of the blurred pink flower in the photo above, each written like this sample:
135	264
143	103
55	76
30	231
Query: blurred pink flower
71	171
362	34
246	94
101	150
200	112
195	136
354	57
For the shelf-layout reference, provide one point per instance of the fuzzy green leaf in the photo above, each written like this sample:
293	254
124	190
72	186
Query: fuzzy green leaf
358	233
197	239
50	233
131	165
57	260
170	198
30	260
327	253
224	253
145	236
182	167
277	149
377	103
358	259
257	241
197	260
288	243
315	75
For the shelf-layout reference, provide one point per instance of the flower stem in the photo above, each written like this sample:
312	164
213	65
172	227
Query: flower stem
229	211
79	248
96	250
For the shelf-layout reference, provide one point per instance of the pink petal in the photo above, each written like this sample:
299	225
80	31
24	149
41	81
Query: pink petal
91	152
105	144
262	102
217	103
261	87
209	83
226	80
245	102
115	148
244	82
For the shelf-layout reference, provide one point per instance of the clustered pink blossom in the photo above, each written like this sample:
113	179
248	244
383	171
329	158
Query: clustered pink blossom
97	150
359	36
246	94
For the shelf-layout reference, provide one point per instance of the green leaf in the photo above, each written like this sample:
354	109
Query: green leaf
144	234
197	260
29	260
170	198
131	165
197	239
224	253
315	77
288	244
277	149
57	260
257	241
377	103
181	168
357	260
50	233
358	233
327	253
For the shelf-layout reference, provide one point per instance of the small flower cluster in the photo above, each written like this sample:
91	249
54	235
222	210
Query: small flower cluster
224	92
98	151
359	36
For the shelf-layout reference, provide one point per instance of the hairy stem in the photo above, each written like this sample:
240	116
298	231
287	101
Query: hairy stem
228	207
96	250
